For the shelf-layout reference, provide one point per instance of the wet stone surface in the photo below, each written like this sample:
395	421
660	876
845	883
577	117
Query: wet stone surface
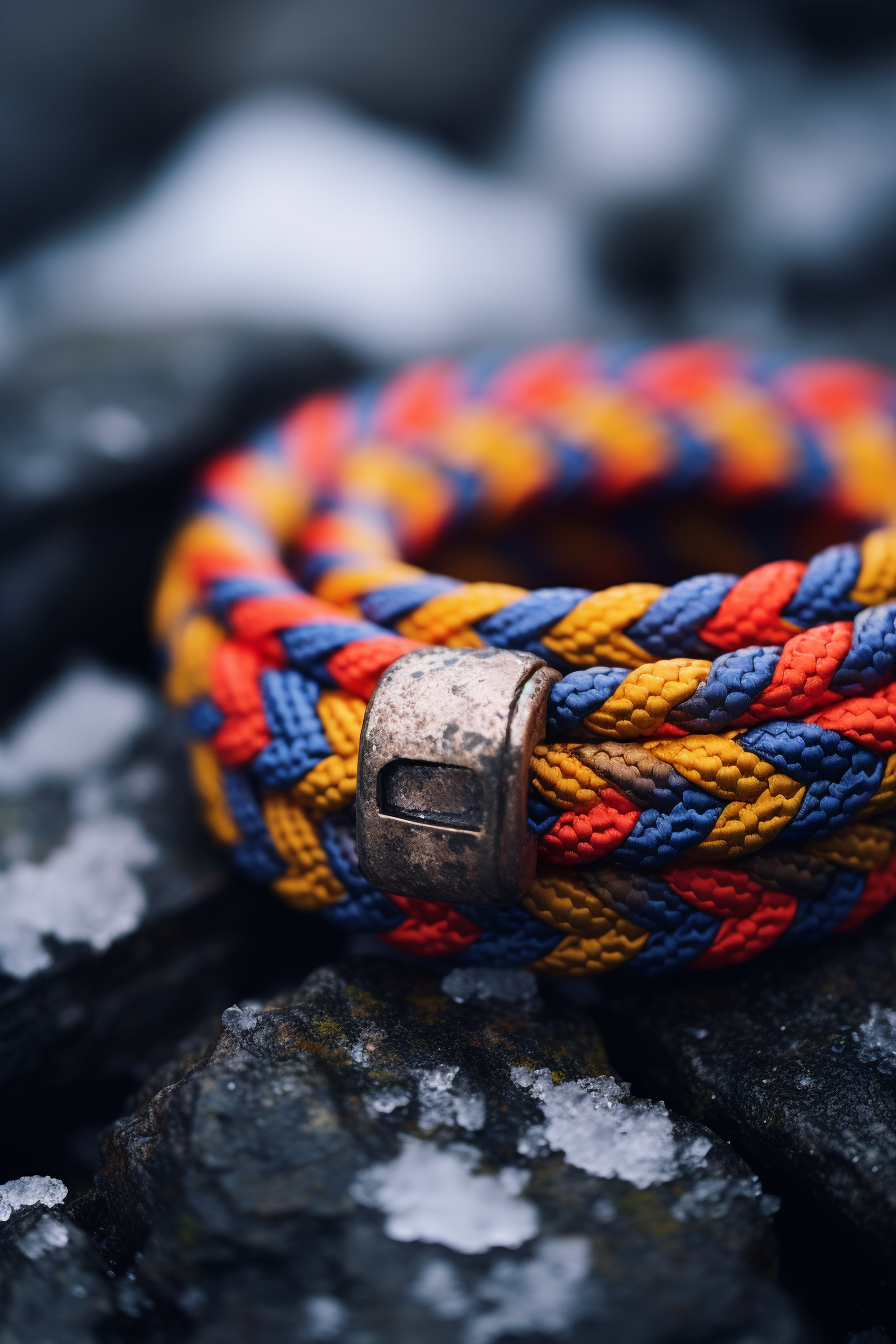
793	1061
119	922
374	1158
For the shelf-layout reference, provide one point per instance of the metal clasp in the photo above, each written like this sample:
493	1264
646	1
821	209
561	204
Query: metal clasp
443	774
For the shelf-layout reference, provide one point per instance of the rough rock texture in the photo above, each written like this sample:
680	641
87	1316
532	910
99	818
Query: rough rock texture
374	1158
53	1286
97	440
120	924
793	1061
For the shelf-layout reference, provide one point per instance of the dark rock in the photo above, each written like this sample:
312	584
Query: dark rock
793	1061
120	924
85	417
53	1285
374	1158
98	438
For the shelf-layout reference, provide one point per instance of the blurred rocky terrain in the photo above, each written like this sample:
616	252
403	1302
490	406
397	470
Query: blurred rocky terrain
207	211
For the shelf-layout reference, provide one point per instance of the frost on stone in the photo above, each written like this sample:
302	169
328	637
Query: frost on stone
29	1190
717	1197
444	1103
465	984
694	1155
383	1100
592	1122
876	1039
239	1021
85	891
82	721
532	1296
438	1287
535	1295
434	1194
47	1235
324	1318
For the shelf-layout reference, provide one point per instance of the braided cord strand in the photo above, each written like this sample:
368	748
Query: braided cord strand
719	772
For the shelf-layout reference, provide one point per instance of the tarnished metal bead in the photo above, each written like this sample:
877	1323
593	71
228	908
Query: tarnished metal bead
443	774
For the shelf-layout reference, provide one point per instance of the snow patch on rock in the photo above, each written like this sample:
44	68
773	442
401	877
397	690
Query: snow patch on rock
434	1194
30	1190
694	1156
383	1100
715	1197
325	1317
534	1295
241	1020
87	717
517	1297
438	1286
441	1103
594	1124
47	1235
876	1038
85	891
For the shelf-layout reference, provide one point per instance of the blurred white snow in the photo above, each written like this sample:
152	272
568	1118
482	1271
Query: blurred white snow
289	211
817	177
624	107
284	211
82	721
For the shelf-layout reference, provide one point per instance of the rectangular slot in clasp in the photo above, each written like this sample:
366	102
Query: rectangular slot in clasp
426	791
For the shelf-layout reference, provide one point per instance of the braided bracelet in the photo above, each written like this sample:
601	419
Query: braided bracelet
714	767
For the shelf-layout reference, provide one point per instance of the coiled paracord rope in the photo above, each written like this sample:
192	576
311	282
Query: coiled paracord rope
720	770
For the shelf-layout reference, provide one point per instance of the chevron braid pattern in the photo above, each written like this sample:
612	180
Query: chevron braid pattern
719	774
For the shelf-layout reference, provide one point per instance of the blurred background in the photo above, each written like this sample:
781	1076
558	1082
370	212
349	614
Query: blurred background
208	208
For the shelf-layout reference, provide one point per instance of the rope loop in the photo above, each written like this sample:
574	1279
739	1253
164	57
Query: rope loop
719	774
